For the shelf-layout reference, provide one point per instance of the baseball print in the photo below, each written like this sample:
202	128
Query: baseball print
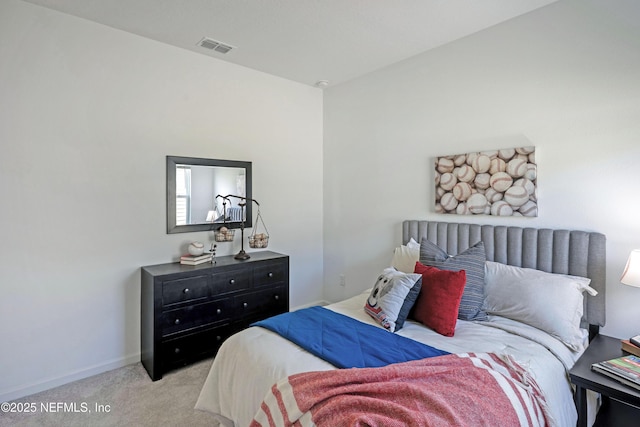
499	182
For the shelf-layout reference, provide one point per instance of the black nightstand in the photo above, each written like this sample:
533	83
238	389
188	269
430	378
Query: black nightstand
621	403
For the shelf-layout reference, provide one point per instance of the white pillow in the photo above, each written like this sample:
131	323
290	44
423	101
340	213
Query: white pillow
405	257
413	244
550	302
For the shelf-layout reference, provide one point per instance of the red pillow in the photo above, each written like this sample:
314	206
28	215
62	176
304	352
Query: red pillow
439	299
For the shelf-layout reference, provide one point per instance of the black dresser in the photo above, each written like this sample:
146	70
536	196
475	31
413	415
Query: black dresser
188	311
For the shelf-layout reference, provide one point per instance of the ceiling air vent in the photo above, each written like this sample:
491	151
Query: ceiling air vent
215	45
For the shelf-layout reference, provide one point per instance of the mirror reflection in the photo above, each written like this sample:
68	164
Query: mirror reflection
192	186
196	188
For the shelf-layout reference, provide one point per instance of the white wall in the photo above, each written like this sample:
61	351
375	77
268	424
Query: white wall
564	78
87	116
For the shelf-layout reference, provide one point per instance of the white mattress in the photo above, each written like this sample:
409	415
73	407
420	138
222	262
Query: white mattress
250	362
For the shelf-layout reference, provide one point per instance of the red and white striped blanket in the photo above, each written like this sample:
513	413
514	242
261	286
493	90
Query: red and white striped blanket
469	389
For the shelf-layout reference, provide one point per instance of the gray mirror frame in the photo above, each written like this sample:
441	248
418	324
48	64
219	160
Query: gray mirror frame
172	161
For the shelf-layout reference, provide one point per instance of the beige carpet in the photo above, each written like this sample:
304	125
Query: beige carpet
128	394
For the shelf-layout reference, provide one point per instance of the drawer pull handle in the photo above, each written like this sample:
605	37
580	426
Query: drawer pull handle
218	338
218	311
176	350
176	322
232	281
270	274
277	297
186	290
245	305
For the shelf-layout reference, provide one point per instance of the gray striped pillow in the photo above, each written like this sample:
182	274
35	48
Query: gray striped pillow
472	261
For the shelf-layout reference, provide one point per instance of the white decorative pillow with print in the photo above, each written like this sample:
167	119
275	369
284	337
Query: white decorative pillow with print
392	296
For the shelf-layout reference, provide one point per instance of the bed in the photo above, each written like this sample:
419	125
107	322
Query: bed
249	363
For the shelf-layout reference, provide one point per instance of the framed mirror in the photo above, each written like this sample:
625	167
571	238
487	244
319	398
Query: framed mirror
192	187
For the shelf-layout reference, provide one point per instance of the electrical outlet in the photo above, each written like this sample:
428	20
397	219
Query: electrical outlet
342	280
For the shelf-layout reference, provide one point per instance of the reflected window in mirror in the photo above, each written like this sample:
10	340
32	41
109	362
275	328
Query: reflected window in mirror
183	194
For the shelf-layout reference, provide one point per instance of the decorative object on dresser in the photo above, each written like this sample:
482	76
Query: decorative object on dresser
259	240
212	251
195	260
196	248
254	241
188	311
224	233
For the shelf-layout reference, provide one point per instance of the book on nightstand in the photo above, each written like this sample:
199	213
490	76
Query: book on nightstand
195	260
625	370
628	347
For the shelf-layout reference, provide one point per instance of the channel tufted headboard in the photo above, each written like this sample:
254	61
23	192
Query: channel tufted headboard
578	253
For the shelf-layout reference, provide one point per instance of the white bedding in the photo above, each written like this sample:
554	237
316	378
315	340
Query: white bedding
250	362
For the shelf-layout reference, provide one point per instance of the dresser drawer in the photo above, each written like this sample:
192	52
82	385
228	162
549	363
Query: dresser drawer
182	319
185	349
230	281
188	289
269	273
266	301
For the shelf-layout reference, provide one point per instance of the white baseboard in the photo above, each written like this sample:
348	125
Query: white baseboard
29	389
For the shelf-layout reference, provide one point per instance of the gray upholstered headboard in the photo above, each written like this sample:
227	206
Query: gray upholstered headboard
579	253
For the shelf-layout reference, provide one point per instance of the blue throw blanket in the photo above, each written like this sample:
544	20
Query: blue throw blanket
346	342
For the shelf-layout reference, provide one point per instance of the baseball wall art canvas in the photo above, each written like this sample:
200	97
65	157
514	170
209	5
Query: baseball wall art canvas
497	182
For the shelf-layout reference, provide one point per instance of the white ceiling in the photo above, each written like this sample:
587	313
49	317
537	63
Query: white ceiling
302	40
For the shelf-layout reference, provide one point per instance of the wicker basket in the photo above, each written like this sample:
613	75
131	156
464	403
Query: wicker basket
260	240
224	236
